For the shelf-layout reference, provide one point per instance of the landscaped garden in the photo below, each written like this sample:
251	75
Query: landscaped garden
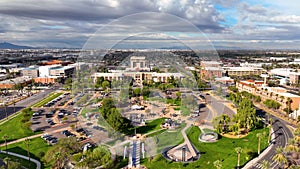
37	148
17	127
211	152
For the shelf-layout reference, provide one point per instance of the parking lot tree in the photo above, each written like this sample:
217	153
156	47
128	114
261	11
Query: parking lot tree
99	82
60	154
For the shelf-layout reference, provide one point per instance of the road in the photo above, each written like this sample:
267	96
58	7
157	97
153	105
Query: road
218	106
11	109
282	135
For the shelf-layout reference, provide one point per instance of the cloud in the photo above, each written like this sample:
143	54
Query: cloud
70	23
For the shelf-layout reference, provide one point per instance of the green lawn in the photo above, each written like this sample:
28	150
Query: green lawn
150	126
24	163
38	147
169	138
14	129
50	97
222	150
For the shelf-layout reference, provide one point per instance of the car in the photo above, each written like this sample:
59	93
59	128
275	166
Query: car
80	130
81	138
60	115
45	135
52	123
48	120
64	132
36	114
53	141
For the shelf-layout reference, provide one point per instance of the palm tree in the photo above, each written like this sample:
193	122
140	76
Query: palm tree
238	150
5	137
292	146
259	136
27	143
289	101
218	164
265	164
279	156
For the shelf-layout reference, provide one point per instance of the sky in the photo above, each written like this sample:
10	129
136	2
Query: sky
221	24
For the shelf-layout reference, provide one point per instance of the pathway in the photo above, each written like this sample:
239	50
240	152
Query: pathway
186	142
38	164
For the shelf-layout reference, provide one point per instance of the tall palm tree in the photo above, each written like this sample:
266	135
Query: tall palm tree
5	137
259	136
238	150
279	157
27	143
218	164
265	164
289	102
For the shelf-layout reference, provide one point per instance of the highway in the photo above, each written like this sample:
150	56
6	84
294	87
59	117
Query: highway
282	135
11	109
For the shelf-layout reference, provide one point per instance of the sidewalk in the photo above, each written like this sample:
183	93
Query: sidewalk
38	164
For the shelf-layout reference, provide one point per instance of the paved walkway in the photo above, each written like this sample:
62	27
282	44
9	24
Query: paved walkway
38	164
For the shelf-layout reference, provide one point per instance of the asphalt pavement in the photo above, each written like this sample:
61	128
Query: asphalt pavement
12	109
282	135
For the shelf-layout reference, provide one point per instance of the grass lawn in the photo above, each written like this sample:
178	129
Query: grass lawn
169	138
24	163
50	97
14	129
150	126
211	152
38	147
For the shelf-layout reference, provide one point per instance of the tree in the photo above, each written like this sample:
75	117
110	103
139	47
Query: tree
27	143
265	164
98	157
259	136
218	164
5	137
279	156
289	102
238	150
105	84
61	152
137	91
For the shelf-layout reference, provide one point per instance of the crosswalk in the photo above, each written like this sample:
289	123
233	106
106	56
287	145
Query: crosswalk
135	153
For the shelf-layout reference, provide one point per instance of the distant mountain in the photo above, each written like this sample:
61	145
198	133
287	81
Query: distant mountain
5	45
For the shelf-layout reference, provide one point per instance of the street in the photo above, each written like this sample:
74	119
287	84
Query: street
11	109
